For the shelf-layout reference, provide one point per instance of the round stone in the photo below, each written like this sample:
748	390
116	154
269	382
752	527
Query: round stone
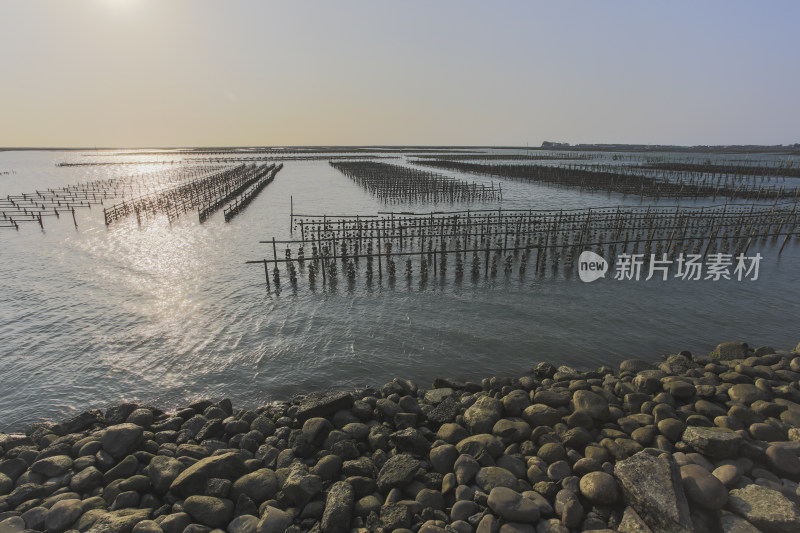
729	475
512	506
552	452
599	488
702	488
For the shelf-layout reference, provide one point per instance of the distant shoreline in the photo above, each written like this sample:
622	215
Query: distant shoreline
791	149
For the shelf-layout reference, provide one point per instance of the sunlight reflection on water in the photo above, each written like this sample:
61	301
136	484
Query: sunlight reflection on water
164	313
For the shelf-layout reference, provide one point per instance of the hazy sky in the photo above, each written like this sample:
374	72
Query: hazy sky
219	73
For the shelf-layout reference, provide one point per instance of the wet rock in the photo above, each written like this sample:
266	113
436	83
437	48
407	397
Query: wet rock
766	509
78	423
323	404
652	486
121	440
727	351
141	417
512	506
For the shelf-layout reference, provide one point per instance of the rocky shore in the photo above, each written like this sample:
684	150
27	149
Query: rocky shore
688	443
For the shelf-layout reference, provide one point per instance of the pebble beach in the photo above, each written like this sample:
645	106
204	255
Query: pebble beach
688	442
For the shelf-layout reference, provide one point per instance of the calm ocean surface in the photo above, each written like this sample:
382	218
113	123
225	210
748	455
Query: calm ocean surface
164	314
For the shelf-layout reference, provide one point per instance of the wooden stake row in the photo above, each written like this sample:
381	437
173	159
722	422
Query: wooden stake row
34	207
486	242
394	183
629	180
206	195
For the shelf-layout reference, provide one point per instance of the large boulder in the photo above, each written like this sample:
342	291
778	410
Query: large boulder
122	440
300	486
599	488
719	443
338	508
52	466
323	404
702	488
483	414
193	480
398	471
727	351
592	404
767	509
162	471
652	486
